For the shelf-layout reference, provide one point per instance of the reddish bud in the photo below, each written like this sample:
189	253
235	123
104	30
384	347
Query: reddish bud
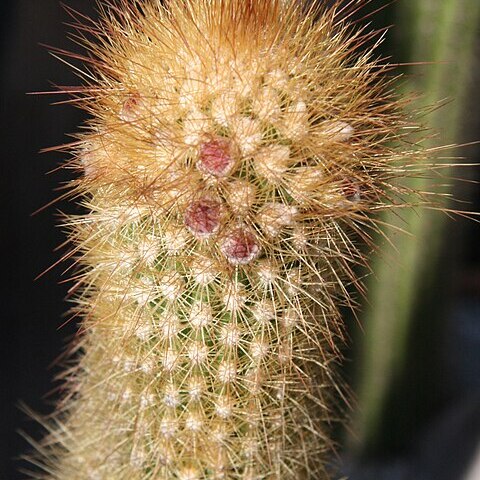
202	217
130	108
240	247
216	157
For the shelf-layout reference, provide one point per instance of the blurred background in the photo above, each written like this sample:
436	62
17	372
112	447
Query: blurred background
413	365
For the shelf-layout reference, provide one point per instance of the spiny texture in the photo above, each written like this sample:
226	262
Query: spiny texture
236	152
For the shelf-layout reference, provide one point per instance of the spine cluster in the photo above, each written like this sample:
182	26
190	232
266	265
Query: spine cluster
235	148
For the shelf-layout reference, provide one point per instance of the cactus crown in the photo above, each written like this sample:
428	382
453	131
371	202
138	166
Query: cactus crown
234	148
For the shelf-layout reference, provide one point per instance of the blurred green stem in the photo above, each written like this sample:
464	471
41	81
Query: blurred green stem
443	32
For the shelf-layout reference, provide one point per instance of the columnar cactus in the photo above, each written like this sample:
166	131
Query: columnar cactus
236	152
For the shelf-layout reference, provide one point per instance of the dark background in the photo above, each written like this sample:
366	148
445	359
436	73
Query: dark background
31	311
441	420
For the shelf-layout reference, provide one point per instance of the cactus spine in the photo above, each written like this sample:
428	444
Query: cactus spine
236	152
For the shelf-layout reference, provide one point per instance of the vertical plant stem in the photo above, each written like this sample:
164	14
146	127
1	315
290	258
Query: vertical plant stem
235	151
442	32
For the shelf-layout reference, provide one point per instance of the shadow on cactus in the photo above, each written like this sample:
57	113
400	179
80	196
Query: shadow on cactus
237	155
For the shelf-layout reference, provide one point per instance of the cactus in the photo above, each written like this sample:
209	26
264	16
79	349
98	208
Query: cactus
235	159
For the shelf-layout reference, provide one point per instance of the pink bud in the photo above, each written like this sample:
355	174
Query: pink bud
202	217
216	157
240	247
130	108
